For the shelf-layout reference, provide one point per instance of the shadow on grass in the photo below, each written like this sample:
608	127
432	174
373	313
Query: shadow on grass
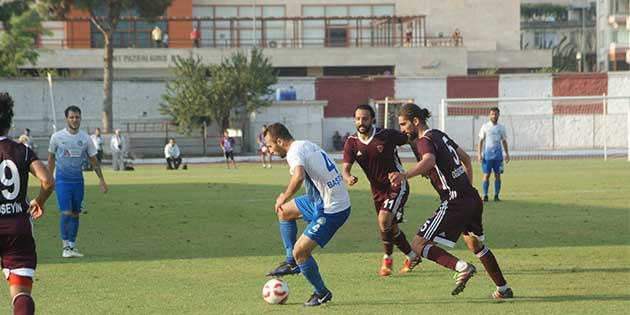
209	219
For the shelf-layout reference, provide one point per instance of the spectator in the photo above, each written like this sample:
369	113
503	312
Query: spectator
98	141
456	37
227	145
165	40
194	36
26	139
117	145
157	36
408	35
337	141
172	154
263	149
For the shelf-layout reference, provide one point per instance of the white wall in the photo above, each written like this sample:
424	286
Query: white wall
304	119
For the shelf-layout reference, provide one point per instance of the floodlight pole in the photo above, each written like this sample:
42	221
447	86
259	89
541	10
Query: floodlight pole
605	128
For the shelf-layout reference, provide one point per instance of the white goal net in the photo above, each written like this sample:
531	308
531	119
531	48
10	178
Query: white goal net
545	128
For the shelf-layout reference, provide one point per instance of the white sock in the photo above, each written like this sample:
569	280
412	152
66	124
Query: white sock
461	266
71	244
388	256
66	244
411	256
503	288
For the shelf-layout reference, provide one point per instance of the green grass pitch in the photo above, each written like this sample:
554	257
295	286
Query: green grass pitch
200	242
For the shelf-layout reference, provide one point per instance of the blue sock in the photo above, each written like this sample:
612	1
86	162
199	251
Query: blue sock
64	222
311	273
497	187
73	228
486	184
288	230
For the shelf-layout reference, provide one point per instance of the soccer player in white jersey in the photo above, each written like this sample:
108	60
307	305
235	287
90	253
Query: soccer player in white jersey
491	137
67	149
325	206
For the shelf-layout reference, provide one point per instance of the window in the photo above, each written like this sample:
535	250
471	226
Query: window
340	32
129	33
241	33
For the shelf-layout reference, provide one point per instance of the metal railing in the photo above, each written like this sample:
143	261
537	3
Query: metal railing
277	32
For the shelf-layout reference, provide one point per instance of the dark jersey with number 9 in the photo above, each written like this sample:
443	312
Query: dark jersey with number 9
448	177
15	162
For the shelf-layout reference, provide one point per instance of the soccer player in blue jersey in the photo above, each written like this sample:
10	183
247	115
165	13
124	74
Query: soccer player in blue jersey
67	149
325	206
491	137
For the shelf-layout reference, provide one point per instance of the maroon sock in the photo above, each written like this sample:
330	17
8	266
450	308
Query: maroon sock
440	256
400	240
388	240
492	266
23	305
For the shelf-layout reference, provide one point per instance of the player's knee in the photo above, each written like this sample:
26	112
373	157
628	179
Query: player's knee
67	212
75	214
301	255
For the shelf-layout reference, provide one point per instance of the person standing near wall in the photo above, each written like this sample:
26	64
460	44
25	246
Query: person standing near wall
117	144
491	137
157	36
98	141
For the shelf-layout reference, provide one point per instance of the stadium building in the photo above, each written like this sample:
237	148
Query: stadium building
308	38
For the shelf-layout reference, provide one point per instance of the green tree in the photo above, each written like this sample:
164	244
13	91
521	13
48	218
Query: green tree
238	84
21	26
188	95
107	26
246	87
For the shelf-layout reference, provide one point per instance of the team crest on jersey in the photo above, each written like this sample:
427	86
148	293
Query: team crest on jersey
321	221
379	148
359	153
80	143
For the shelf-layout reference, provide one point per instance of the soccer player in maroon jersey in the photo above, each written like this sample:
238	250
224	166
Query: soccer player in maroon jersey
450	171
375	151
17	245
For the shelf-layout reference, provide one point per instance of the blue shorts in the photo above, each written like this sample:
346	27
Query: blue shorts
69	196
495	166
321	226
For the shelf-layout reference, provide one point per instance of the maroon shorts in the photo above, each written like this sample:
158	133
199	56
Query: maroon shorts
454	217
393	201
18	254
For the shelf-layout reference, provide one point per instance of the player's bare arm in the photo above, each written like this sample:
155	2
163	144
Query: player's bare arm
505	148
347	176
422	167
465	159
51	162
294	185
97	169
479	147
40	171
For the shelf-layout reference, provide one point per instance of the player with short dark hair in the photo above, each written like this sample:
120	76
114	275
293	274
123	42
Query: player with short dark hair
492	136
67	150
325	206
375	151
450	171
17	245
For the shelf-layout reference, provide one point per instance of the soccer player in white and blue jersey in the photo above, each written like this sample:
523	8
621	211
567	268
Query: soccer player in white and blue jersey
491	137
325	206
67	149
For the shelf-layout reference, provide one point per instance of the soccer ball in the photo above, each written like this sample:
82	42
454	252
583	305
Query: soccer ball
275	291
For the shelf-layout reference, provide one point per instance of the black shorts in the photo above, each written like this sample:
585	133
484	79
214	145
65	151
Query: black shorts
229	155
18	254
454	217
393	201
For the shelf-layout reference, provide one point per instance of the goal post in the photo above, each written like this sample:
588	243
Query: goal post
545	127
